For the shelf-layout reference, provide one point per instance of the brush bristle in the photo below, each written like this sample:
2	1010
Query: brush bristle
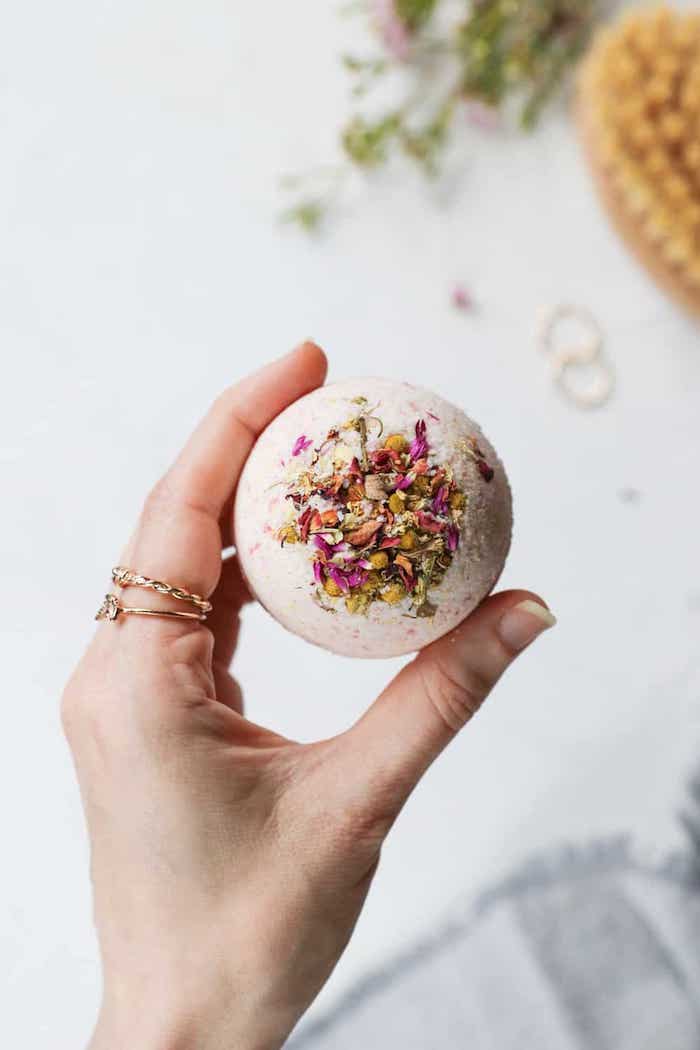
639	104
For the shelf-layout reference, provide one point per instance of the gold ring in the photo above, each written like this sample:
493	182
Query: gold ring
111	609
126	578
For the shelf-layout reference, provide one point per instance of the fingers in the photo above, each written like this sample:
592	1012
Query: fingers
206	471
178	538
433	697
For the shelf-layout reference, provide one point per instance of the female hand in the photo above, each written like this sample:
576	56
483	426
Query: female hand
230	864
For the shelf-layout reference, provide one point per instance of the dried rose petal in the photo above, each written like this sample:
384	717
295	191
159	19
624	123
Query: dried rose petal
428	523
420	467
362	535
337	576
390	541
385	457
405	482
333	486
461	299
357	577
402	561
318	571
485	470
355	493
408	579
321	545
452	538
301	444
305	523
354	470
330	517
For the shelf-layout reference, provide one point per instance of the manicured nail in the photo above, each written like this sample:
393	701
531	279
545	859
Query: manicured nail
522	624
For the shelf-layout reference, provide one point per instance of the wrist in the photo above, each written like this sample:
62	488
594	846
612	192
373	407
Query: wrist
144	1034
183	1022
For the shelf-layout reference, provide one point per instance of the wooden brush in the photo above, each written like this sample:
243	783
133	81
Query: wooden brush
638	109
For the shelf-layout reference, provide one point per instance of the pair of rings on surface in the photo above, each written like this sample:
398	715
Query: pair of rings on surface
111	607
585	350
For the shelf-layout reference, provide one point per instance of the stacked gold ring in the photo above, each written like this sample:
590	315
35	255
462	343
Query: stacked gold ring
111	607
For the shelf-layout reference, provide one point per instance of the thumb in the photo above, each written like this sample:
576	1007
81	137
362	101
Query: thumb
435	695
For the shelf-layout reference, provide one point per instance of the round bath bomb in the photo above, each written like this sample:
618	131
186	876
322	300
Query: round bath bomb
371	517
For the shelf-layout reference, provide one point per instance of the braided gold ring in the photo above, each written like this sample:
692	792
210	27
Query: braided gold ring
127	578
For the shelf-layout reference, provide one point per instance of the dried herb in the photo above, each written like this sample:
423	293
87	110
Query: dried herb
473	60
381	521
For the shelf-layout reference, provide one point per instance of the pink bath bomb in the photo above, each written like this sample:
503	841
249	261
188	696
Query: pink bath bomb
372	517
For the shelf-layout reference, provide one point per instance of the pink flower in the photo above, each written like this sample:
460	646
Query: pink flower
479	115
440	501
300	445
419	445
323	547
337	576
357	577
384	458
394	33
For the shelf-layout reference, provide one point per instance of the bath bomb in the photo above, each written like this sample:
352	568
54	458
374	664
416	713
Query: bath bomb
372	517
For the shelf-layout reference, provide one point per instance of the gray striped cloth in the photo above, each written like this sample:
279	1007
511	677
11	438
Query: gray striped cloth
590	949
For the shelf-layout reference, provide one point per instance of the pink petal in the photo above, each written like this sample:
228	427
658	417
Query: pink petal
301	444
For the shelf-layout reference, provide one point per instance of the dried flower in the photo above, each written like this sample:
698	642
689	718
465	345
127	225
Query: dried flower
440	501
338	578
361	536
428	523
461	299
468	64
321	545
395	34
361	549
419	445
300	445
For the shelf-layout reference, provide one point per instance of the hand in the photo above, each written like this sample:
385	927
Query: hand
230	864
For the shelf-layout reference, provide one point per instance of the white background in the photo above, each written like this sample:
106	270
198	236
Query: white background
142	269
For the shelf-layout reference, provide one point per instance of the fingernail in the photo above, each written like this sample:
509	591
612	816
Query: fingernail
522	624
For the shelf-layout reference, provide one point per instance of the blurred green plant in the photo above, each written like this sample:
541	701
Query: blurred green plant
502	55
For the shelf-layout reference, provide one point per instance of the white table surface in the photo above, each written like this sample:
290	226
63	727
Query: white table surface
142	270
